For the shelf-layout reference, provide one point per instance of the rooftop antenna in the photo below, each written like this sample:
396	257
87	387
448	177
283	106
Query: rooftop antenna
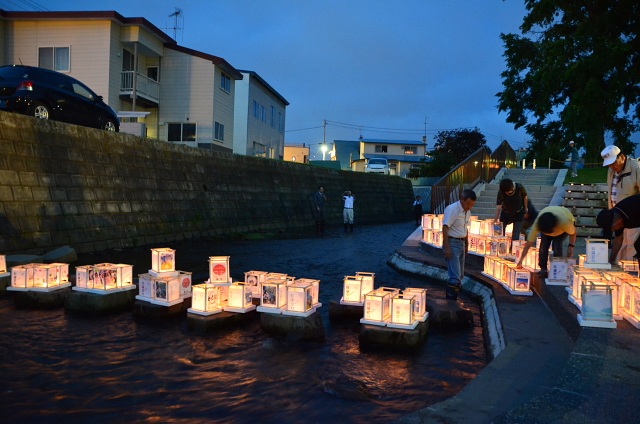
178	23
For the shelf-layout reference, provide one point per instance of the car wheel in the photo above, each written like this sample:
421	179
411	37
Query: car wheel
40	110
109	125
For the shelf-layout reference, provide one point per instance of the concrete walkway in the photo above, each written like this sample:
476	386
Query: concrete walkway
547	369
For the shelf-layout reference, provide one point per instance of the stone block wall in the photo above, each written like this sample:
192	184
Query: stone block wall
63	184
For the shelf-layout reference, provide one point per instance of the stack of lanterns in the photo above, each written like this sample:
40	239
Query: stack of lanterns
287	295
164	285
212	296
39	277
104	278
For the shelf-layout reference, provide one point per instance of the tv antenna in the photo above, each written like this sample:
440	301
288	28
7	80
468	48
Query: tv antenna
178	23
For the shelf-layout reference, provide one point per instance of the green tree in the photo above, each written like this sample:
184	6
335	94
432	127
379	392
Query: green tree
451	148
574	74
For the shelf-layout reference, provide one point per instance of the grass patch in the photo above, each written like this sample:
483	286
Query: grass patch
588	176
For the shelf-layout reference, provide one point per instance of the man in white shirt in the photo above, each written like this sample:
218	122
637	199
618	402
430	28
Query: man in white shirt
347	212
454	239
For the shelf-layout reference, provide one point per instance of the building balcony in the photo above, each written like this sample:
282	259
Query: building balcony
147	90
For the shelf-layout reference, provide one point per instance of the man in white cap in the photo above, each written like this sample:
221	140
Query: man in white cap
574	157
623	180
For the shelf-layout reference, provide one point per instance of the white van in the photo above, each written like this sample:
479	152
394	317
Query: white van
378	166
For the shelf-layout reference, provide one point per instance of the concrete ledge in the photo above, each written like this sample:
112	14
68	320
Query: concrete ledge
142	309
372	336
41	300
204	324
93	304
293	327
341	313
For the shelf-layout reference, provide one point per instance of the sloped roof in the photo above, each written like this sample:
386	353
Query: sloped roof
255	75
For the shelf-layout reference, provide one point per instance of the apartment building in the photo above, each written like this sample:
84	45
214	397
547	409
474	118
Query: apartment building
187	96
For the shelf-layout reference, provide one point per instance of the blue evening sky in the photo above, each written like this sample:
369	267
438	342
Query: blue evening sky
376	68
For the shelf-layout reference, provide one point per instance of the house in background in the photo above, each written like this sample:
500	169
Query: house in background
401	154
187	96
296	153
260	114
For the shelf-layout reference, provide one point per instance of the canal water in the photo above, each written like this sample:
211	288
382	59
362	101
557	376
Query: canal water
62	368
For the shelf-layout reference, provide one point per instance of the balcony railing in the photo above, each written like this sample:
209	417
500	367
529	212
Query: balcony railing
145	86
477	168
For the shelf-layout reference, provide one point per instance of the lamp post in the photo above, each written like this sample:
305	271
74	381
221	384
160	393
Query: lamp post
324	149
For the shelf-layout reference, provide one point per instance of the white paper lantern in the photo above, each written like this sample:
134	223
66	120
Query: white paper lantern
315	289
22	276
597	305
163	260
63	272
83	273
240	298
597	253
254	280
145	287
352	290
377	307
45	276
3	264
105	276
219	269
299	299
402	305
166	291
474	227
205	299
185	284
420	302
274	296
629	266
368	282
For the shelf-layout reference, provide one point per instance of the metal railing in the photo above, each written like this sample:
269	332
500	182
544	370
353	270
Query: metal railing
145	87
479	167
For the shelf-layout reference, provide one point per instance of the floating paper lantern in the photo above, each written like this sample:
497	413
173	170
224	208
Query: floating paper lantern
254	280
22	276
377	307
219	269
368	281
45	276
3	264
274	296
105	276
240	298
145	286
419	304
205	299
185	284
166	291
83	275
163	260
299	299
315	289
352	290
402	305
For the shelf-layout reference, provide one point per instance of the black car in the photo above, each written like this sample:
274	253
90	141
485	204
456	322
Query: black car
47	94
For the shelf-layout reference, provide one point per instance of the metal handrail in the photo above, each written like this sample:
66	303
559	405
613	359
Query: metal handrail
479	167
145	86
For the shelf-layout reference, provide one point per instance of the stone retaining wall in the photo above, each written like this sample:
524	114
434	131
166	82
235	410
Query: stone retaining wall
93	190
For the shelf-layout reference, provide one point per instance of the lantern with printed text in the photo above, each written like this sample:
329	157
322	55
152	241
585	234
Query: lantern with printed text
274	295
315	290
166	291
368	282
473	243
45	276
3	264
519	280
163	259
22	276
63	272
145	285
219	269
419	304
427	220
597	254
105	276
516	248
558	272
481	248
240	298
377	307
402	306
254	280
630	301
205	299
299	299
83	275
503	246
352	290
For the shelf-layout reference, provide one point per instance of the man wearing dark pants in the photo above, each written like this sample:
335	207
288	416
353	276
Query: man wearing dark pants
625	214
454	239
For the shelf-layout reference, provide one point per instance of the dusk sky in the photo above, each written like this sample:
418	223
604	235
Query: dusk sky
376	68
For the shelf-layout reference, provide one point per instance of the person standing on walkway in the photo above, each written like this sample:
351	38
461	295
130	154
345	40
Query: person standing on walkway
512	206
623	180
454	240
624	215
319	199
417	210
574	157
347	212
554	224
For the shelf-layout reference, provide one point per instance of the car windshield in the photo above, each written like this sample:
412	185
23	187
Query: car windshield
377	162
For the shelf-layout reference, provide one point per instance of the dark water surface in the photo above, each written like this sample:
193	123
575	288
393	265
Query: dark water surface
60	368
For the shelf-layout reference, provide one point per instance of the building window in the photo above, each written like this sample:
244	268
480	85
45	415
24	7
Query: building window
259	149
225	82
219	132
256	110
381	148
263	114
280	122
152	73
273	117
127	60
55	58
181	131
410	150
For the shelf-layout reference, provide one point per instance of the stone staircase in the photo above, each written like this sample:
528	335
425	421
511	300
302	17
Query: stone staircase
541	186
585	201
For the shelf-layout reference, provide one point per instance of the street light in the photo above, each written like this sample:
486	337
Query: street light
324	149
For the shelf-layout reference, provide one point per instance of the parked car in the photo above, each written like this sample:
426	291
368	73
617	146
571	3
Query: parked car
378	166
47	94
